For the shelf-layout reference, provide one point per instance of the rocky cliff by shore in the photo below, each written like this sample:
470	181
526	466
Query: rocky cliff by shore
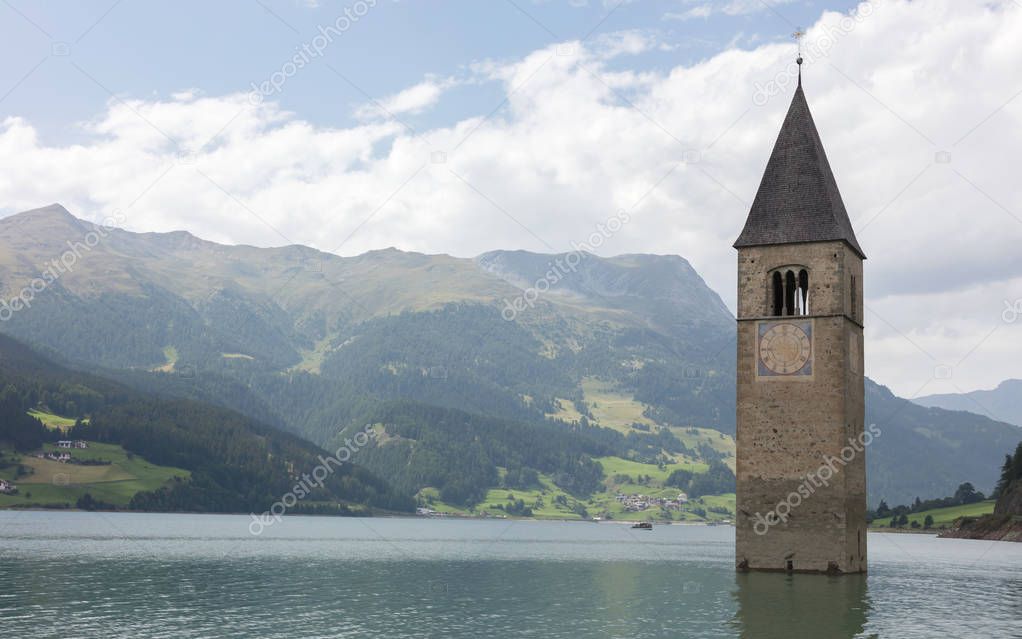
1005	524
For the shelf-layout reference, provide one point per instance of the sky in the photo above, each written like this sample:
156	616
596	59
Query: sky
462	127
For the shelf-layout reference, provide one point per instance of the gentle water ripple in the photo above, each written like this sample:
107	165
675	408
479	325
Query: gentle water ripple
173	576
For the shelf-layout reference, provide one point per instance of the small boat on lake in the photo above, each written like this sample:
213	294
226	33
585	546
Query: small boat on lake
643	525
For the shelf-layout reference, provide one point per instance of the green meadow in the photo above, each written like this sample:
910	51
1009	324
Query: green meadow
50	482
549	501
942	517
53	421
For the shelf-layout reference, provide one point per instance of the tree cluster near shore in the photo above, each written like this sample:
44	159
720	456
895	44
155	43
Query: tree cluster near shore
899	516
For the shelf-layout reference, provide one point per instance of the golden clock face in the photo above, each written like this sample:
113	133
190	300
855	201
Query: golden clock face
785	348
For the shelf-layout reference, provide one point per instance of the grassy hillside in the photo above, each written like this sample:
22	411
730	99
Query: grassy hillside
612	406
942	517
547	500
51	483
464	457
51	420
616	466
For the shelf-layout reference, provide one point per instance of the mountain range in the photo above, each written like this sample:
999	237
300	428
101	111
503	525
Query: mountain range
1003	403
471	362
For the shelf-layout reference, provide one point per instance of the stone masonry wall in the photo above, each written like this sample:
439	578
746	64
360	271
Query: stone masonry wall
787	428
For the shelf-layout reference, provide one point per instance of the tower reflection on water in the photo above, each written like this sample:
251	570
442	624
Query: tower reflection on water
779	605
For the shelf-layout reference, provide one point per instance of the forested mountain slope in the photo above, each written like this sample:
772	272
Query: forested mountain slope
318	344
234	463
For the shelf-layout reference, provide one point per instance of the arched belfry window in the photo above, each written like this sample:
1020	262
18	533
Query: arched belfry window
790	298
790	288
778	306
803	291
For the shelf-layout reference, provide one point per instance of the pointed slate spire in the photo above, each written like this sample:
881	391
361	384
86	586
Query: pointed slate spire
798	199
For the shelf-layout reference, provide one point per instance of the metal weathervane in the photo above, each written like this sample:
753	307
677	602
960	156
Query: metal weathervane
798	35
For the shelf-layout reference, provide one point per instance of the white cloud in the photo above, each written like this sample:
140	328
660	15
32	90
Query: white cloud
414	99
725	7
745	7
700	11
618	43
574	142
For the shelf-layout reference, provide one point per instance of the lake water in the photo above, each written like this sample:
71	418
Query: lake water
77	574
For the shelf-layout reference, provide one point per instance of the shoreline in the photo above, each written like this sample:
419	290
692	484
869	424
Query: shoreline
397	515
378	515
901	531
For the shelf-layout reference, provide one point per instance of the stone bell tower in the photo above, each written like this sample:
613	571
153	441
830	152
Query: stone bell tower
801	460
